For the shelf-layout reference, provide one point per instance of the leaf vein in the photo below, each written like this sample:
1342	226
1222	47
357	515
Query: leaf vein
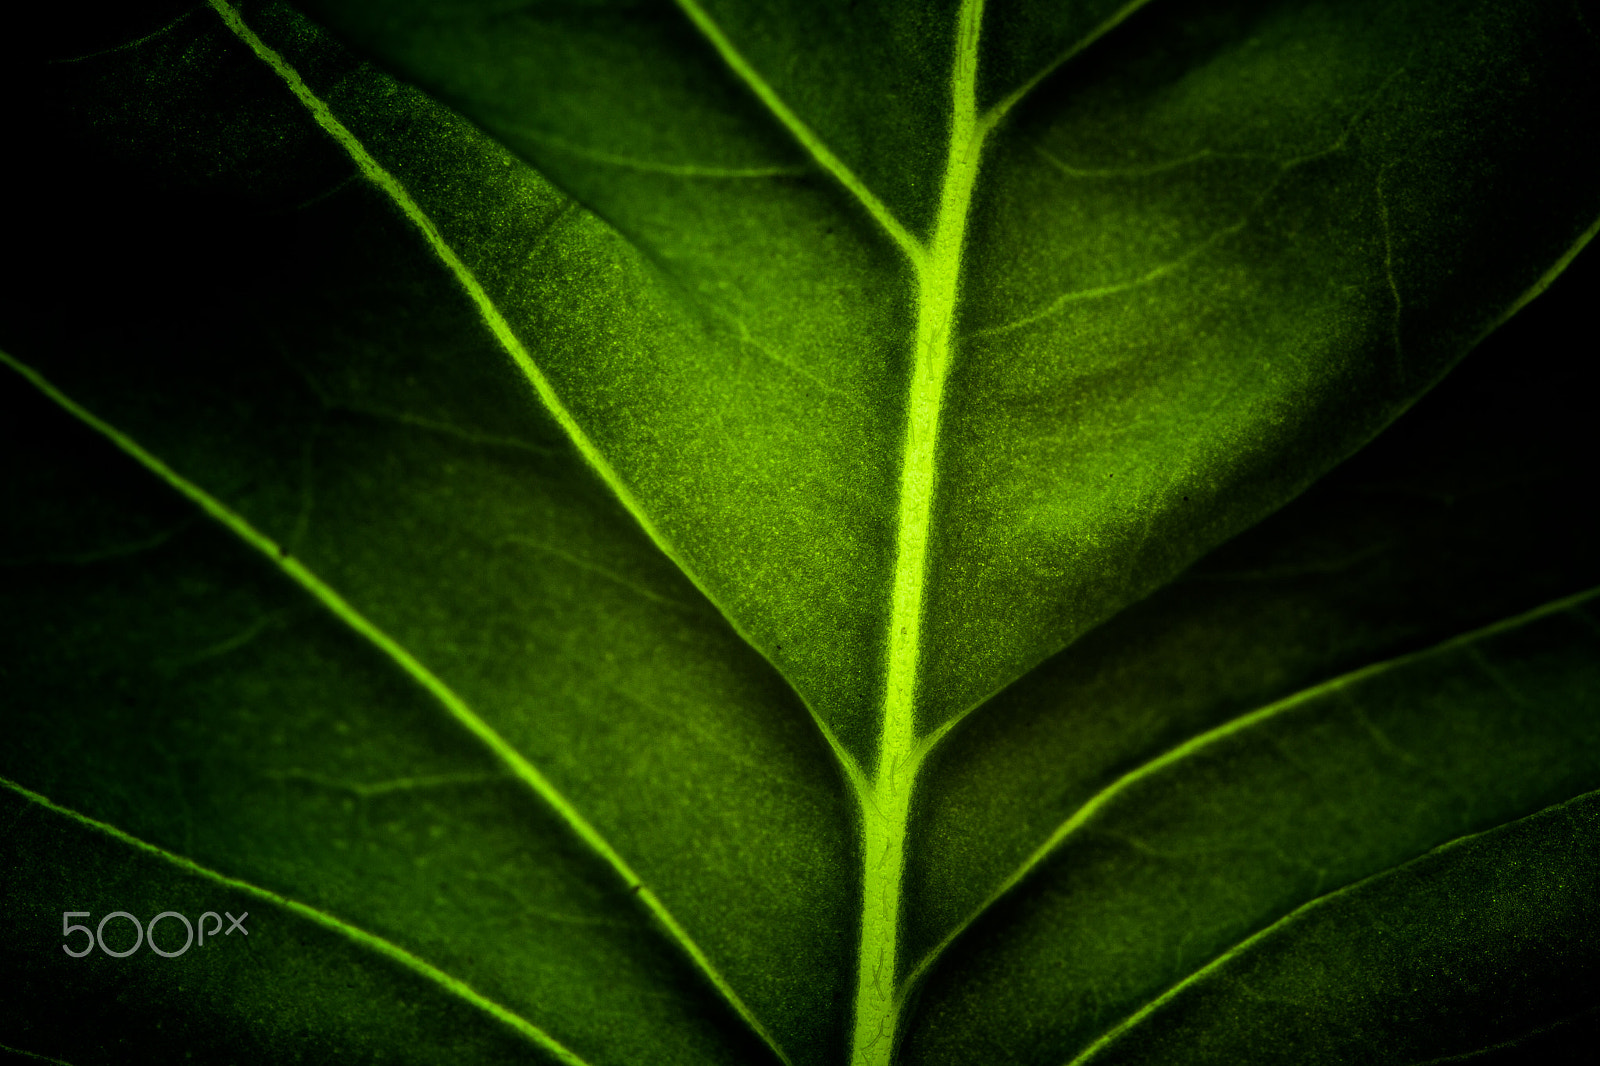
454	985
886	803
1001	109
678	170
411	665
910	245
1222	959
1340	684
1161	270
1388	272
514	348
594	568
126	550
492	317
1512	1042
126	46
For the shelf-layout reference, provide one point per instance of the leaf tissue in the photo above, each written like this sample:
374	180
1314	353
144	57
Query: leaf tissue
742	531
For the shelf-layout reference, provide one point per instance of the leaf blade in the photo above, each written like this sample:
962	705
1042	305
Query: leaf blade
503	752
1329	787
740	342
456	987
1493	908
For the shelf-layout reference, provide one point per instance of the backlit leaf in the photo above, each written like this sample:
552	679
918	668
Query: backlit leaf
710	532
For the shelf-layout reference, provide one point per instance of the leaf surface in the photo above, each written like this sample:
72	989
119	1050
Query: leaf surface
1233	263
691	555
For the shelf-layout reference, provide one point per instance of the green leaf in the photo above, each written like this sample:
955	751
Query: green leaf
690	533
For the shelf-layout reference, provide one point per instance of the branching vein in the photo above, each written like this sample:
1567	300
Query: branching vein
1162	270
1398	308
127	46
586	565
545	390
802	132
367	790
492	317
1117	18
625	162
1323	900
453	985
458	709
33	1055
1086	813
125	550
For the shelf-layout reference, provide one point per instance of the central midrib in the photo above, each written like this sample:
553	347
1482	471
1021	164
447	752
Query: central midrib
886	804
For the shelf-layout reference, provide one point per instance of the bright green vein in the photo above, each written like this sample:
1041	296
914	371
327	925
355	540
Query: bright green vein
454	985
397	653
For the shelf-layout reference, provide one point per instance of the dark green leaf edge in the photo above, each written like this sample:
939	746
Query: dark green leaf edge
377	944
1087	811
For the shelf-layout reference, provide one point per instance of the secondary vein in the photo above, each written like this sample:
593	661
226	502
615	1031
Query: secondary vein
454	985
457	708
490	313
803	133
1000	110
513	346
679	170
1222	959
1094	804
34	1055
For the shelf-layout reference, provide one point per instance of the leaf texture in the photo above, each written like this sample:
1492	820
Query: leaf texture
695	532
